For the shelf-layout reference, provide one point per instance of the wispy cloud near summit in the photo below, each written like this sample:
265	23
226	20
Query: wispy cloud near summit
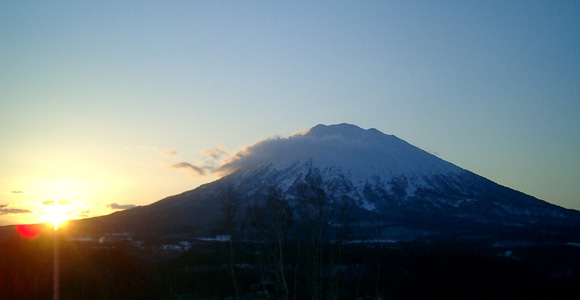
216	152
162	152
207	165
189	168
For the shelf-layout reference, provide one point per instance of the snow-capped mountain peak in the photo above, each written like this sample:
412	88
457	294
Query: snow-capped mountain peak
364	153
374	175
372	170
344	130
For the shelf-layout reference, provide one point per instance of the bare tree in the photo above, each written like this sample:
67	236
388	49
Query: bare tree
322	224
271	223
230	204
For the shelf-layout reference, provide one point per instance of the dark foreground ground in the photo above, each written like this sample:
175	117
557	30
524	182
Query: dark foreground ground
122	268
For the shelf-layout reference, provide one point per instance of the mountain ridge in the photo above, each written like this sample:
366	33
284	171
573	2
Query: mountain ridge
374	175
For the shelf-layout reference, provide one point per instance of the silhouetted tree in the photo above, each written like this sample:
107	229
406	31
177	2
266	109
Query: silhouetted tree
230	204
322	243
271	224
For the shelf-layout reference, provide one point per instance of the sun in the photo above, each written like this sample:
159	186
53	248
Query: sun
56	212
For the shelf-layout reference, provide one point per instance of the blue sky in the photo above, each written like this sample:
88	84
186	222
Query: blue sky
99	100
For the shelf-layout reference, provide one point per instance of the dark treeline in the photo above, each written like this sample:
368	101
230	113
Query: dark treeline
370	271
87	271
282	249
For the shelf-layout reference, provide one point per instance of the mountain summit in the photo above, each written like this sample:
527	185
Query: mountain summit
362	153
390	188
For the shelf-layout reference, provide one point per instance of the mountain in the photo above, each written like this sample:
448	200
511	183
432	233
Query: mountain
388	188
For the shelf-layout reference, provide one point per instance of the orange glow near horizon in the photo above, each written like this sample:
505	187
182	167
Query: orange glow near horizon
56	213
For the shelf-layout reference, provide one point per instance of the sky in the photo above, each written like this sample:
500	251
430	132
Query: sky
112	104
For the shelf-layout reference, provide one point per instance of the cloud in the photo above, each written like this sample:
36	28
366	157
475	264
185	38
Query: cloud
298	147
270	150
191	169
169	152
51	202
9	211
14	211
162	152
120	206
202	167
216	152
17	192
84	214
264	149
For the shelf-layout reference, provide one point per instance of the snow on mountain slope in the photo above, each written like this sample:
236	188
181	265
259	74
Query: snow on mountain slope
380	173
363	152
346	157
382	179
